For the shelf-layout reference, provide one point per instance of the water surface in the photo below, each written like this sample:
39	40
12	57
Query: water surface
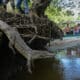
61	68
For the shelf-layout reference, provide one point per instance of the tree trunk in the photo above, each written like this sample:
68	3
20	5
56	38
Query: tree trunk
39	6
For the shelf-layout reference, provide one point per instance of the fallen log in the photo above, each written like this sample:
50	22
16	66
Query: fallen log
18	43
39	54
63	44
15	39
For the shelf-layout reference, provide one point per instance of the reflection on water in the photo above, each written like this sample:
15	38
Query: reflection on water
47	69
71	68
63	68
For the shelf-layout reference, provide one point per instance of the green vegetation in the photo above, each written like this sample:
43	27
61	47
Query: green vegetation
57	14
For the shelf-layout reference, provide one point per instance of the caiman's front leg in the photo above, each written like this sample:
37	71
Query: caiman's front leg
11	47
12	43
29	59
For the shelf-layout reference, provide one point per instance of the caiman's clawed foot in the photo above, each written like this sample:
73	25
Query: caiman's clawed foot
29	70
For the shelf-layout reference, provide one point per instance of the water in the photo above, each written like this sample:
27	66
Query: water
46	69
59	68
71	68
